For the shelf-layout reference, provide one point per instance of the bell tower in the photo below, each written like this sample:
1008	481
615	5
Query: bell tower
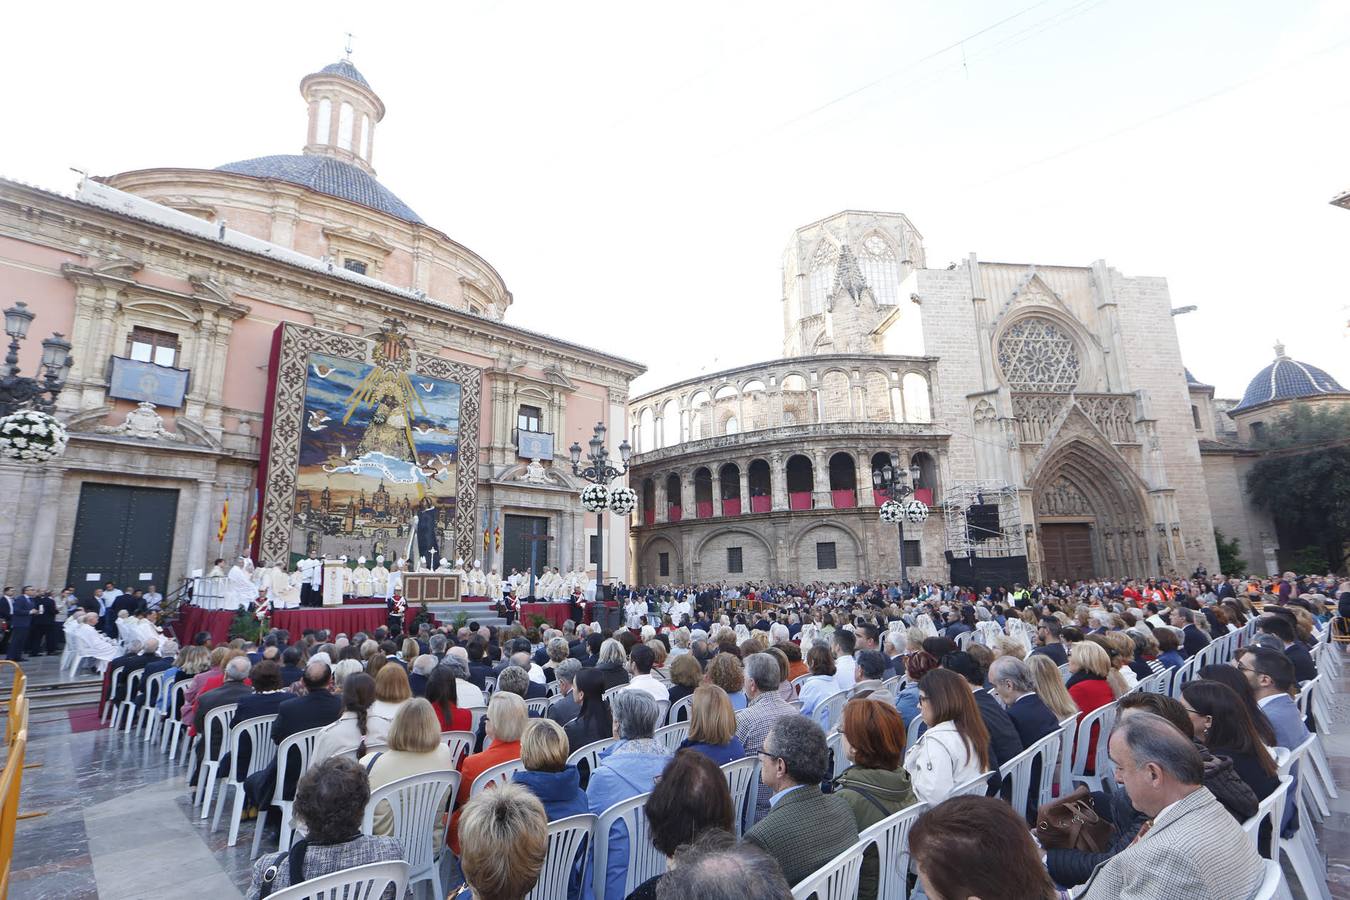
343	113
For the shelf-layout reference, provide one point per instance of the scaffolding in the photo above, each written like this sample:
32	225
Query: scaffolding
1007	540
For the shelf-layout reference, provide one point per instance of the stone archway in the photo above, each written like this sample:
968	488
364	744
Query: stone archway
1090	515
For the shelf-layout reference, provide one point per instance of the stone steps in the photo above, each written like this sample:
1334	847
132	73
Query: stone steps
478	611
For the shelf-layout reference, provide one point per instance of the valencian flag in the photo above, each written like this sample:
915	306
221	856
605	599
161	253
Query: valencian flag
253	522
487	540
224	521
497	537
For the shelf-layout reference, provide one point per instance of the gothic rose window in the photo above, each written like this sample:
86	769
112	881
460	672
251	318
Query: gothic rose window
1036	355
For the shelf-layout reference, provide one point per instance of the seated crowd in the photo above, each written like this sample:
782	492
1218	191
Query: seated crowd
853	711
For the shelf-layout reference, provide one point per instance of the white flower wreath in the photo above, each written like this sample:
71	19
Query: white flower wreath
915	511
622	501
32	436
891	512
595	497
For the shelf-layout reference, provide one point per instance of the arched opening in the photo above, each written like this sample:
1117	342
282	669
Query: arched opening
646	431
835	398
796	401
731	425
703	493
700	416
843	481
915	388
879	462
800	482
927	487
673	511
670	424
760	483
730	477
648	501
877	397
1090	517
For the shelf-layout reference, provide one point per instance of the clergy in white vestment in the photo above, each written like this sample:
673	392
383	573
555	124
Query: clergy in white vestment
90	642
281	593
679	611
633	612
494	586
379	578
240	591
477	581
362	579
394	584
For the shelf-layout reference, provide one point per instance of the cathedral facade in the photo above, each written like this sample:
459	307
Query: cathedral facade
1046	410
172	284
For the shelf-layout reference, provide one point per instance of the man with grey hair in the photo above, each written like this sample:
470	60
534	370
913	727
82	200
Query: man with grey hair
514	680
715	867
436	644
764	707
1177	853
629	770
804	828
565	707
1016	688
419	672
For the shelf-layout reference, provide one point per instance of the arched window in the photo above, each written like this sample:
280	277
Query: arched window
703	492
1036	355
646	431
927	487
648	501
670	424
843	481
836	397
915	388
731	426
365	137
673	510
880	268
700	416
725	392
730	477
1195	416
801	481
760	483
823	264
323	123
345	113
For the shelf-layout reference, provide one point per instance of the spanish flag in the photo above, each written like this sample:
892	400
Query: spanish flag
224	521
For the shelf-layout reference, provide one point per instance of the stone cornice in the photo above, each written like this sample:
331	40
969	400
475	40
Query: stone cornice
793	437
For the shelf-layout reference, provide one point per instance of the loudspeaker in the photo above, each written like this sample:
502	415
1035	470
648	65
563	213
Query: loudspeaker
982	522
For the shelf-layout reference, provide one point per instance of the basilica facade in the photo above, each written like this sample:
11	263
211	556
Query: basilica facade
1046	410
174	286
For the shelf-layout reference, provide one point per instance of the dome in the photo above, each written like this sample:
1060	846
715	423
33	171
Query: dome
1287	379
344	69
327	175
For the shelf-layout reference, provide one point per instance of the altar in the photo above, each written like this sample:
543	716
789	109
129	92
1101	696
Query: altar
431	587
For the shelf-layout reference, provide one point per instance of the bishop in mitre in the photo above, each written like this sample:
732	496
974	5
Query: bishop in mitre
477	580
379	578
361	577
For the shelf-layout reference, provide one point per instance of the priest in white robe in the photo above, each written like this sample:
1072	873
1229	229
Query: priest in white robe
240	590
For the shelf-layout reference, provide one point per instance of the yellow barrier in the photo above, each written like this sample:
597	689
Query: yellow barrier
10	782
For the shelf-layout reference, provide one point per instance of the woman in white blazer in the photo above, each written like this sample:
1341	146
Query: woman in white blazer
955	746
357	727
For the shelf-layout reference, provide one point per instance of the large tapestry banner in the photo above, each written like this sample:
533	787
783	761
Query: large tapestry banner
370	449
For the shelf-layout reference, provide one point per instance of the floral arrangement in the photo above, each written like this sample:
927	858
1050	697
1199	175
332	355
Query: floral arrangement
32	436
915	511
891	512
622	501
594	497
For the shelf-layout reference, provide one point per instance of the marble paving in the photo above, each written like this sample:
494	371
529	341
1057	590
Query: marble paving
119	824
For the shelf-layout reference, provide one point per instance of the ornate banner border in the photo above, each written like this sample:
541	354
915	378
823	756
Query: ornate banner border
285	409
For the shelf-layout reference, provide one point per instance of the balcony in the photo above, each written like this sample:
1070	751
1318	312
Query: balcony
791	435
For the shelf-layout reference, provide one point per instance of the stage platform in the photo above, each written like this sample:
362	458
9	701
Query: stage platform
346	619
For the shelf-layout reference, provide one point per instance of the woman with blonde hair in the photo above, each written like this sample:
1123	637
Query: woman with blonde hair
509	816
415	748
1089	686
343	668
712	726
726	671
506	719
392	691
1050	686
544	750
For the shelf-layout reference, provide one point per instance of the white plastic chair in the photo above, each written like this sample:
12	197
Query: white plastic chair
612	691
536	705
834	741
743	780
477	712
459	742
497	775
644	861
798	681
1301	848
837	879
417	804
173	725
1028	797
114	681
300	744
672	735
830	710
912	732
1068	728
368	882
126	710
261	753
217	721
1103	717
891	835
1272	882
679	710
146	717
569	841
975	787
1272	809
590	755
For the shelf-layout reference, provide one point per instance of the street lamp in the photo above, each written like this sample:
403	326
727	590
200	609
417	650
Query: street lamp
19	391
896	484
599	471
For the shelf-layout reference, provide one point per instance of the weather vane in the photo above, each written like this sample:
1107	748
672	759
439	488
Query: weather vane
349	46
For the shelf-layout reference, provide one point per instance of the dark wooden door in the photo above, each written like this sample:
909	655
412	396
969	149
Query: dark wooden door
1067	549
121	534
516	544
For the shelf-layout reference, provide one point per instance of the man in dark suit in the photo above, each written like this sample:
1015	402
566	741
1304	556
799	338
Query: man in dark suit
1048	642
141	655
565	709
592	657
1304	667
420	672
6	614
1015	686
1004	741
42	636
20	621
479	668
231	691
290	666
1193	640
1271	675
803	829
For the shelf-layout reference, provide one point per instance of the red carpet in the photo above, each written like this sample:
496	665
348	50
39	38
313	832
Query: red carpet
84	719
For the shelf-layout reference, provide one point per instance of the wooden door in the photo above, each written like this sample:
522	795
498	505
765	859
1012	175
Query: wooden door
1067	551
124	535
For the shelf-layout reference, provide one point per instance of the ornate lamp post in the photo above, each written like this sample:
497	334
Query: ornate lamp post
897	483
19	391
598	471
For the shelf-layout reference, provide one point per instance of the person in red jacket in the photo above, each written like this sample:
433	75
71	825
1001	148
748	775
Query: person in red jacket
1089	667
443	694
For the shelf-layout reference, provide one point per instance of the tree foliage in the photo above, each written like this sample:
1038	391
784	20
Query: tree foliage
1303	481
1230	555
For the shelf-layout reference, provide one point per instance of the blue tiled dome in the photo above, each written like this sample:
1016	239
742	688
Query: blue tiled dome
327	176
344	69
1287	379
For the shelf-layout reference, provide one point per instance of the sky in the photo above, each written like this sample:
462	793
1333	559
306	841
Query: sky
634	170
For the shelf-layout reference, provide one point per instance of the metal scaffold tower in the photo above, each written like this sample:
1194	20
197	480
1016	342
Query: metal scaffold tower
979	533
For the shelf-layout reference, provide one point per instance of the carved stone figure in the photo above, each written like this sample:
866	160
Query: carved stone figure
142	423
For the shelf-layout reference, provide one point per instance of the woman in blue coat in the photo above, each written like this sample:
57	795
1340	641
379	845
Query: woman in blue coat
544	751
